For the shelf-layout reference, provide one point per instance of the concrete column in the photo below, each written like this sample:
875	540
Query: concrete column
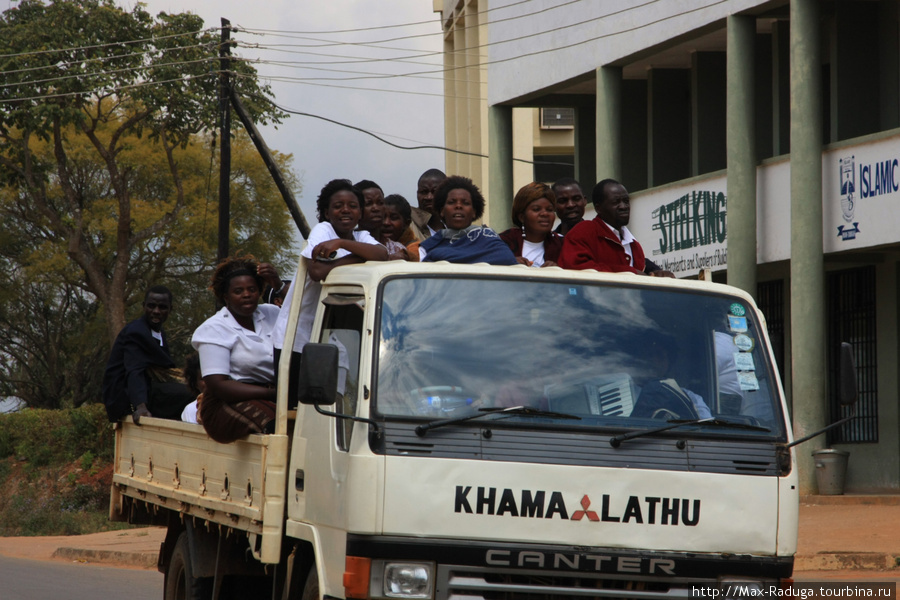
609	120
808	363
500	183
740	150
451	133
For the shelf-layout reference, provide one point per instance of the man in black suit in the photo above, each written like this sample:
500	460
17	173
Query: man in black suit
140	373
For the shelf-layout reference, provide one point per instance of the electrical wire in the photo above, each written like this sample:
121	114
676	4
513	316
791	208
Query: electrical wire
107	72
110	44
421	35
101	59
388	142
527	54
377	27
110	91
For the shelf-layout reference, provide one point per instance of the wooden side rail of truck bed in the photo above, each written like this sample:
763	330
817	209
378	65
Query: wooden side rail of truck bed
176	466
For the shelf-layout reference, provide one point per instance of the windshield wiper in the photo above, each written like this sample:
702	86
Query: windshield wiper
616	441
421	430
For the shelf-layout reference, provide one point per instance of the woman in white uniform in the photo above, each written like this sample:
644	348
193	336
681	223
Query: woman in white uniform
235	347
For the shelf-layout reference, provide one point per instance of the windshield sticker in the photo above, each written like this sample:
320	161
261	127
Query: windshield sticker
744	342
748	381
744	361
737	323
737	310
573	291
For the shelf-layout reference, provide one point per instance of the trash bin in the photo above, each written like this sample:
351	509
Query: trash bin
831	470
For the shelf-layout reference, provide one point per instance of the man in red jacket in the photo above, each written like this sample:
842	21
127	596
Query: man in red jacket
605	243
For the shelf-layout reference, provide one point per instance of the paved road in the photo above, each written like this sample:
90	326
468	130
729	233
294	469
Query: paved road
25	579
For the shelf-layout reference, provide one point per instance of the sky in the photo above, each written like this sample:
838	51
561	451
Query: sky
408	113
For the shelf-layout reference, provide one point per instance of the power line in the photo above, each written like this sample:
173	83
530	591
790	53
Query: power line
388	142
110	44
110	91
350	87
106	72
421	35
63	64
378	27
527	54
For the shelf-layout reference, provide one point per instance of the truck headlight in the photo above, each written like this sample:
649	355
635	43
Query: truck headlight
408	580
736	588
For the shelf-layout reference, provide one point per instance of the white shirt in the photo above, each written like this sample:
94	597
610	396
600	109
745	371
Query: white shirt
189	414
226	348
533	251
320	233
625	238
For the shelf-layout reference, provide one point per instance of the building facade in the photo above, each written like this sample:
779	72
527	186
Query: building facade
760	140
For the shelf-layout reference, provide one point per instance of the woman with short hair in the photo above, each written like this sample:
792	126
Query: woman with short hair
459	203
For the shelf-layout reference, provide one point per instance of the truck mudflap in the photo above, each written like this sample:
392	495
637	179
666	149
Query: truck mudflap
503	570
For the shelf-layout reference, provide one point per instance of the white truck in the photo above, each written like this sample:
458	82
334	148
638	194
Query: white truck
488	432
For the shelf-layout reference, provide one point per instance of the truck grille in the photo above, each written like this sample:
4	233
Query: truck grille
473	583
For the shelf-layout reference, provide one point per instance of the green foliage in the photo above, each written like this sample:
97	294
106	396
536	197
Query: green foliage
108	184
43	437
55	471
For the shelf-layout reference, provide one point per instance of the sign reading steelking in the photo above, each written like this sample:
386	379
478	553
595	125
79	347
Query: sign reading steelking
683	230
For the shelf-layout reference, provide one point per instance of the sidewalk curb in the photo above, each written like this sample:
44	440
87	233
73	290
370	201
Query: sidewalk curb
146	560
839	561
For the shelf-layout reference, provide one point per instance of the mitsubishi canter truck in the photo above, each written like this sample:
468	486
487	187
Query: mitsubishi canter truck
480	432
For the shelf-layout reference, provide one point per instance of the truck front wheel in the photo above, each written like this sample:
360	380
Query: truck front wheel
180	581
311	588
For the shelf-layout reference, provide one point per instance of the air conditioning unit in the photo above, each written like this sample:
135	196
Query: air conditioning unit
557	118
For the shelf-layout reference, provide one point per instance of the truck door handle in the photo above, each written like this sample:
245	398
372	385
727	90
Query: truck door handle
298	480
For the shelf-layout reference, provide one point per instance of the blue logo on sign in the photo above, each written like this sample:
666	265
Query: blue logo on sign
848	197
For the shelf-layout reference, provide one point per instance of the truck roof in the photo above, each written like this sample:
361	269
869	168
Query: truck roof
370	273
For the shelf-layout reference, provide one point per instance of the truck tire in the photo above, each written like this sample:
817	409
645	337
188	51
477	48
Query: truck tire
311	587
180	581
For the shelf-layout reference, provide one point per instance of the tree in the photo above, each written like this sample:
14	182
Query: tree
98	107
53	337
108	184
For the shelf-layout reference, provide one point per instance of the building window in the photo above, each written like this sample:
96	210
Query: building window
550	167
771	303
851	318
557	118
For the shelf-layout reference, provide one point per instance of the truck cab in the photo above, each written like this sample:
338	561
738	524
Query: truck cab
538	432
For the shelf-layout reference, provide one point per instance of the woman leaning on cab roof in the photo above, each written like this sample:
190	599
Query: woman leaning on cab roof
459	203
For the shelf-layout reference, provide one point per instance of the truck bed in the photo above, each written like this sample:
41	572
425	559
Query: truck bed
177	466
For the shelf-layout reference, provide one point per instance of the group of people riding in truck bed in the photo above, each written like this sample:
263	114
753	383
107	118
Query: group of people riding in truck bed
228	385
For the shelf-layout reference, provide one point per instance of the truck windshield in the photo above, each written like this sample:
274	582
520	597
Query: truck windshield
618	356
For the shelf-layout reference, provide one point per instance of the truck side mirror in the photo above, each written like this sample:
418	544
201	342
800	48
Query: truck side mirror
849	392
318	374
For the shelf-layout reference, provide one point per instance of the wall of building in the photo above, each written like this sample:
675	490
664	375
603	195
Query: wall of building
547	46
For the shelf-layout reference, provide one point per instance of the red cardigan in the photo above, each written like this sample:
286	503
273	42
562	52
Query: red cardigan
593	245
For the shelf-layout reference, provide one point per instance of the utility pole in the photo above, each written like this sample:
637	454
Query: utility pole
269	160
224	139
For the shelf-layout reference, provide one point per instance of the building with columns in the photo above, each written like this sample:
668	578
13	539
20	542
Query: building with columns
759	139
